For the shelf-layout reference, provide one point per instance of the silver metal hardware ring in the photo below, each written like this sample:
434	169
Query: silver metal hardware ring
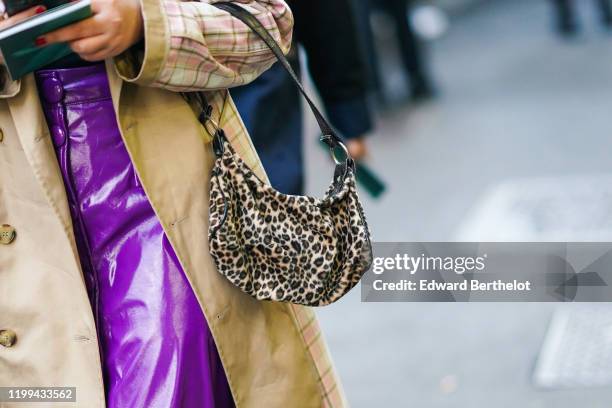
333	152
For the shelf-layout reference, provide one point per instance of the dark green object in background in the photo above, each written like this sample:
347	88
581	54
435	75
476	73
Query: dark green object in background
367	179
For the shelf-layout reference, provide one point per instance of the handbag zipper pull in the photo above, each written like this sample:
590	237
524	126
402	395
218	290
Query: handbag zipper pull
205	115
213	129
217	143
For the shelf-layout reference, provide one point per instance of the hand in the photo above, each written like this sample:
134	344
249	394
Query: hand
115	26
357	148
22	15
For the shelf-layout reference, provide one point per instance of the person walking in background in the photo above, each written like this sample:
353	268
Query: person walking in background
567	23
271	106
411	48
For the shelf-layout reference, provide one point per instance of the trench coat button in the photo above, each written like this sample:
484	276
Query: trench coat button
52	90
7	234
1	135
7	338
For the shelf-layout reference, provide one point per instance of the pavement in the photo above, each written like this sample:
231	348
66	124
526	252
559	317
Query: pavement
522	117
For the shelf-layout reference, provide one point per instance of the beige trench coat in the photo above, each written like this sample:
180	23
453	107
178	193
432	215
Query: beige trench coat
273	354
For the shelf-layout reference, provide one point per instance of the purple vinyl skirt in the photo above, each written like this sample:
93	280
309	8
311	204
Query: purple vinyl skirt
157	350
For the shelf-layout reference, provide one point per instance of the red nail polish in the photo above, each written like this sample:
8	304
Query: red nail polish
40	41
40	9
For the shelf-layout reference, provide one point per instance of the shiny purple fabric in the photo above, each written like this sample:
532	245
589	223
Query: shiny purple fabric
156	347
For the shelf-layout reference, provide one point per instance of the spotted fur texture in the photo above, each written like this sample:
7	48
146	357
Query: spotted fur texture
286	248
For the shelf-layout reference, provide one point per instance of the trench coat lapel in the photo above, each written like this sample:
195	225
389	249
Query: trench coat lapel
36	142
115	83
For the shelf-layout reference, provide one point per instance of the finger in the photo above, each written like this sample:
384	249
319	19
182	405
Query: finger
101	55
89	45
22	15
97	5
85	28
108	51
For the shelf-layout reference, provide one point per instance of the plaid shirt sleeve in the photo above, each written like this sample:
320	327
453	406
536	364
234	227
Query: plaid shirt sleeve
192	45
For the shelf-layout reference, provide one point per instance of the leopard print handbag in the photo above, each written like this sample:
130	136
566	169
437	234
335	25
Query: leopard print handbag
286	248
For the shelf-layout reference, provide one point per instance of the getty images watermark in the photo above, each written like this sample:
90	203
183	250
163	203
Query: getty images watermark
489	272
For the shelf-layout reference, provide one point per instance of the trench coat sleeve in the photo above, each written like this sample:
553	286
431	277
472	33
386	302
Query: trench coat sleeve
192	45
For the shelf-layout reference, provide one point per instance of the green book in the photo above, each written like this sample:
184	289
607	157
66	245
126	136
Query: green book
21	56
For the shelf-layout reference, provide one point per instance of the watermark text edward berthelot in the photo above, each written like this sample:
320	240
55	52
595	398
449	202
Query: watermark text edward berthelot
456	264
489	272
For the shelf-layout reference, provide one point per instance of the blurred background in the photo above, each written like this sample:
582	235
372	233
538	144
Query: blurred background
514	145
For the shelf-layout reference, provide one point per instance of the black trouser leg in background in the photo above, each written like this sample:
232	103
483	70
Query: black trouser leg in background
566	16
605	8
410	47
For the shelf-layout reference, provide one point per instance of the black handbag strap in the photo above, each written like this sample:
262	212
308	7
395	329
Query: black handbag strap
329	135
